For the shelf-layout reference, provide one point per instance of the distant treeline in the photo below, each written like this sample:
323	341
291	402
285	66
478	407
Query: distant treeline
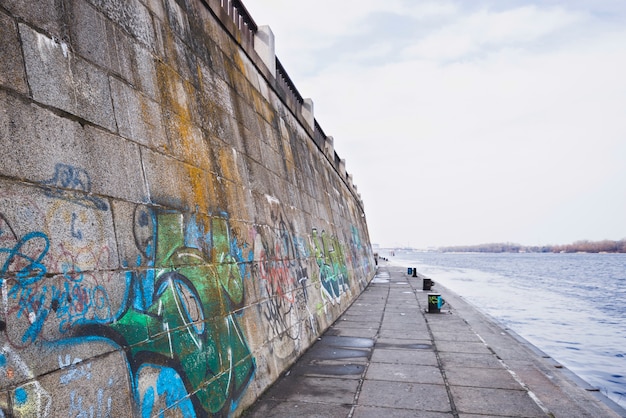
606	246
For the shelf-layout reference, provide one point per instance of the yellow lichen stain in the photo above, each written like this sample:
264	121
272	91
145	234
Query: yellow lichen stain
233	194
228	163
185	138
174	97
221	199
240	64
263	107
236	74
201	195
288	157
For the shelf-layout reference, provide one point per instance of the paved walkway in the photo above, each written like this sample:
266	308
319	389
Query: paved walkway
387	357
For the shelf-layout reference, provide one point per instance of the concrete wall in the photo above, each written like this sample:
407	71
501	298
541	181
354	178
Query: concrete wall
175	228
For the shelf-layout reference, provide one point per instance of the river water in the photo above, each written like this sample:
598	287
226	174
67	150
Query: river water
571	306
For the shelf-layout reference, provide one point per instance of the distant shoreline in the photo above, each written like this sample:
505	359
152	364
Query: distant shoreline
594	247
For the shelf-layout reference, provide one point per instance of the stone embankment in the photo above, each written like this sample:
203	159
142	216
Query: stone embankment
175	227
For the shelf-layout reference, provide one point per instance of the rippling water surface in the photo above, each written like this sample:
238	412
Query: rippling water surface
571	306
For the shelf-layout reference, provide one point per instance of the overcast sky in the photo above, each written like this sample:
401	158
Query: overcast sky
468	122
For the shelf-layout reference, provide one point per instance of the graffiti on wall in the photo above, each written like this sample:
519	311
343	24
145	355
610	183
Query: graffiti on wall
282	274
172	313
176	324
283	262
45	283
179	325
361	256
30	398
329	255
49	286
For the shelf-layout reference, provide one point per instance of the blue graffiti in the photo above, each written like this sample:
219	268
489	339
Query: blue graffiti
30	270
76	233
169	386
21	396
76	179
72	301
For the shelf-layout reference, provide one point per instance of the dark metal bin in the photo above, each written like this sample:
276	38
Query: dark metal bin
435	302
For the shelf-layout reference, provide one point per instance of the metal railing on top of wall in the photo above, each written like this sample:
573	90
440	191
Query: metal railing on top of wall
284	81
241	18
319	136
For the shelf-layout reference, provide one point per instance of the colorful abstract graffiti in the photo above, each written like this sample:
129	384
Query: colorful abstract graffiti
171	313
361	256
178	326
179	317
48	287
73	297
331	261
283	276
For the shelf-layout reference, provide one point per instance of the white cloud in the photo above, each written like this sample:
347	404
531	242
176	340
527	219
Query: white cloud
429	9
484	30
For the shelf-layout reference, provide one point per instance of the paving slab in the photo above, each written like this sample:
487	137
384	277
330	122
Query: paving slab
406	334
416	396
415	373
377	412
278	409
403	343
350	370
503	402
422	356
365	317
463	347
388	357
446	335
484	361
483	378
353	324
314	390
353	332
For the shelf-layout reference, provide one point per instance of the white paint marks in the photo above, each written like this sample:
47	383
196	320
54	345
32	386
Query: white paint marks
272	199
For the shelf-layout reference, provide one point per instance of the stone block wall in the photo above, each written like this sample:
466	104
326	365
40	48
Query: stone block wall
172	234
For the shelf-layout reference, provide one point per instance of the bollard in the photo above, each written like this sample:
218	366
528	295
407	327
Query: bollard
414	272
410	270
427	284
435	302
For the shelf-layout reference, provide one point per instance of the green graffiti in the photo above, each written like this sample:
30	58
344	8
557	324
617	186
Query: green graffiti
190	326
332	264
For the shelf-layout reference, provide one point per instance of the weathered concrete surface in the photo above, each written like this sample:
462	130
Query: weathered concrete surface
456	363
174	229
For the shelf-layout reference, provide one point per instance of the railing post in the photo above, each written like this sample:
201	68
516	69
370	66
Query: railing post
329	146
307	112
265	47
